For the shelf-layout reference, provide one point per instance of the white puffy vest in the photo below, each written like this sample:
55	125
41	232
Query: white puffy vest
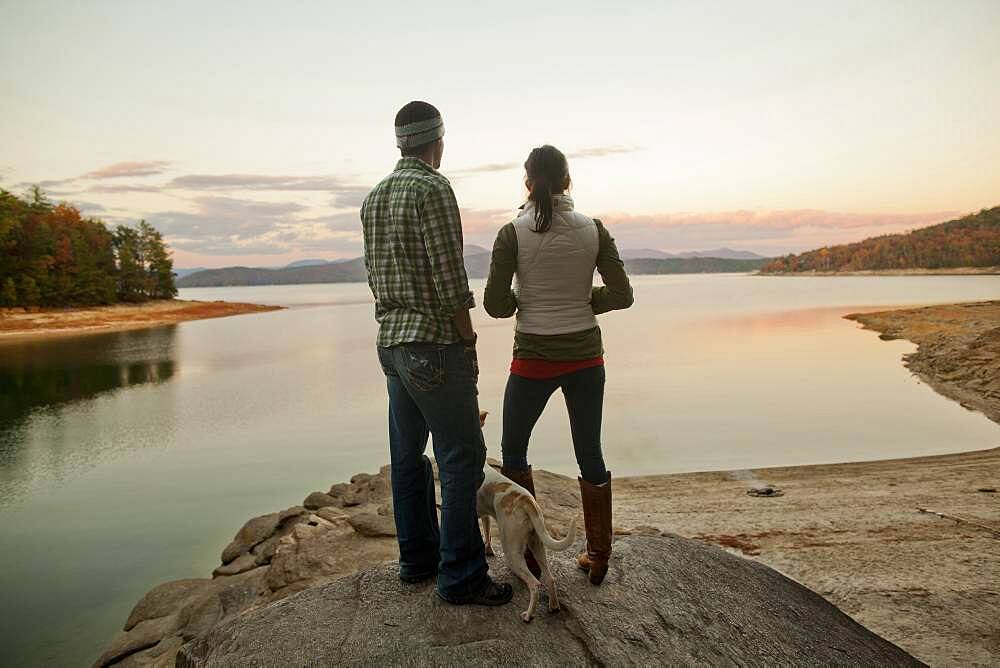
555	271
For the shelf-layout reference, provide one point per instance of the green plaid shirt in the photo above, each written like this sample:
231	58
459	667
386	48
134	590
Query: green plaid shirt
413	254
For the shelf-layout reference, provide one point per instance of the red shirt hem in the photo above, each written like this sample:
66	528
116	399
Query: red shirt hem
545	369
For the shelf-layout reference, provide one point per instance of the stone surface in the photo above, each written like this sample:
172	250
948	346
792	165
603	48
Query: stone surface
318	500
175	612
373	525
143	635
164	599
667	601
311	553
254	531
242	563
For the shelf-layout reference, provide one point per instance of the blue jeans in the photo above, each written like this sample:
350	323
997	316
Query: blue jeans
524	401
432	390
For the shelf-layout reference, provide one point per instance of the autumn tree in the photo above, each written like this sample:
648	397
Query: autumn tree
51	256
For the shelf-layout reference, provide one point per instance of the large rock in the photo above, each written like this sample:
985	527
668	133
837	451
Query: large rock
257	530
667	601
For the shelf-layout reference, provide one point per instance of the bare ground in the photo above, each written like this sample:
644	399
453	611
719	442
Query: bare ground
958	349
18	324
852	532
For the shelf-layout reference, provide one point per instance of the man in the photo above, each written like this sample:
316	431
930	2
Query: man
426	345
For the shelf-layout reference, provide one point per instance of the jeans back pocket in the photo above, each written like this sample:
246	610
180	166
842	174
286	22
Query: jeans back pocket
424	366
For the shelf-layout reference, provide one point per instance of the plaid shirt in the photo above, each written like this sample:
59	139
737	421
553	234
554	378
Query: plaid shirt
413	254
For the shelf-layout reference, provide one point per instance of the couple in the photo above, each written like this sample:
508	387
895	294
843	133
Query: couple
427	347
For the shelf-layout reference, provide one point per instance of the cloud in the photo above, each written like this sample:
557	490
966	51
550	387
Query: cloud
124	188
350	196
781	220
231	226
601	151
228	217
593	152
254	182
49	186
485	221
770	232
88	208
344	194
120	169
489	167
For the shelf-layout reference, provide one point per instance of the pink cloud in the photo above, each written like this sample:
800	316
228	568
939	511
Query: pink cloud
788	219
120	169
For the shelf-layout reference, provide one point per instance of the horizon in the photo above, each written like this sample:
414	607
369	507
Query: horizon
240	135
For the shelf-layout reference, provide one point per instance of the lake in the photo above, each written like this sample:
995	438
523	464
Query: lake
129	459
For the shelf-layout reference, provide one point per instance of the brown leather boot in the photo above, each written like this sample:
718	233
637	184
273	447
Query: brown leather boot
523	478
597	521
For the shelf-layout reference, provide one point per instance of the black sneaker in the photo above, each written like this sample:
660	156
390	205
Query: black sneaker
494	593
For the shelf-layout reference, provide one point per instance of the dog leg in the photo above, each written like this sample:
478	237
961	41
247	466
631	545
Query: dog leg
538	550
513	551
486	535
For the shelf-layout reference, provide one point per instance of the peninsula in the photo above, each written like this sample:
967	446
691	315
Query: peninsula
18	324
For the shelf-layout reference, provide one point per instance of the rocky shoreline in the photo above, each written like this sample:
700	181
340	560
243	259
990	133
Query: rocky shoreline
851	532
958	349
20	324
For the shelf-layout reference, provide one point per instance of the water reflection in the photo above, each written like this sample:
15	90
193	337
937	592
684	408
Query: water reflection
50	373
52	420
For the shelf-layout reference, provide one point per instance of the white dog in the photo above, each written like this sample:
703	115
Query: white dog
519	518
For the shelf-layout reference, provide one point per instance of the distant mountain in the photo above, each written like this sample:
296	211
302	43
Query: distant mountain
305	263
473	249
644	253
693	265
477	265
724	253
972	241
181	273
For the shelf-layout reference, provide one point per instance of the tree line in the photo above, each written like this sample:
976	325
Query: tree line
972	241
51	256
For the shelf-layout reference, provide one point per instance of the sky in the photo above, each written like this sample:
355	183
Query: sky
250	132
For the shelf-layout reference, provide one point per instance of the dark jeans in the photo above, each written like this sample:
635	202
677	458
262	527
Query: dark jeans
524	401
432	390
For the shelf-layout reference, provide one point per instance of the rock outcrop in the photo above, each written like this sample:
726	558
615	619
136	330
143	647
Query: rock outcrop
667	601
330	535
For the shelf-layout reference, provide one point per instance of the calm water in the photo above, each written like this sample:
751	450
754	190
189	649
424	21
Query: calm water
130	459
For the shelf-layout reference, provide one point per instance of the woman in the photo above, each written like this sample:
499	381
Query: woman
554	250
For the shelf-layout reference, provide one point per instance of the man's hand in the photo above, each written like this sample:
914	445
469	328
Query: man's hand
463	323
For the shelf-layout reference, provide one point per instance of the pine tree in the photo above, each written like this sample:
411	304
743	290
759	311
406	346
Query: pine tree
157	265
30	295
8	294
130	274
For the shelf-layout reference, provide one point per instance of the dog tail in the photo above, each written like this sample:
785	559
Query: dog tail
543	533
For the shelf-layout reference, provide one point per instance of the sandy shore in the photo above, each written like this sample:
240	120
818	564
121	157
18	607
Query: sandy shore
852	532
16	324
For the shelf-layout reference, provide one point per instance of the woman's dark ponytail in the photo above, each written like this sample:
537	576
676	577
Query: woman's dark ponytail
541	195
547	173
